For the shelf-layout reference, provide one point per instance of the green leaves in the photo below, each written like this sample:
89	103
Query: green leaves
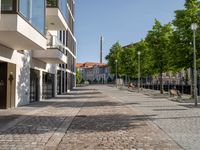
114	55
78	76
158	40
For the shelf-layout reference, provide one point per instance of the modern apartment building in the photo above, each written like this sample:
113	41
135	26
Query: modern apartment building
37	50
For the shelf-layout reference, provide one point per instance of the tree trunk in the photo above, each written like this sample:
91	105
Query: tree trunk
161	83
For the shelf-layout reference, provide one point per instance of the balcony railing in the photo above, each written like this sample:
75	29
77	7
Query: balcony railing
54	42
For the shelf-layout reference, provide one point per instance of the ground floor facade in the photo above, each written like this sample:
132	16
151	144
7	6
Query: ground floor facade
25	79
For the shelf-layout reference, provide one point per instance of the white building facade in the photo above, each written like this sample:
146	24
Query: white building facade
37	50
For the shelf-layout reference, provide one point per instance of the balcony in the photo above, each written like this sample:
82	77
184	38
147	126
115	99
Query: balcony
56	15
54	53
17	31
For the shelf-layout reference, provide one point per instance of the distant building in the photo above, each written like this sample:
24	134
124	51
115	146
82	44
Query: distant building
94	72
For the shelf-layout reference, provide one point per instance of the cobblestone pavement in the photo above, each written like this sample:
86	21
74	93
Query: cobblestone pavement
83	119
181	121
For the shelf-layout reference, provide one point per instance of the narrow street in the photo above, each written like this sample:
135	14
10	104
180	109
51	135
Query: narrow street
101	117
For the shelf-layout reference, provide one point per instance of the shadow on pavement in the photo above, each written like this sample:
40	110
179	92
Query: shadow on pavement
77	104
83	93
83	89
92	123
177	109
190	105
81	97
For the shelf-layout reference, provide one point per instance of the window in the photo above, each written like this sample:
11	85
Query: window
7	5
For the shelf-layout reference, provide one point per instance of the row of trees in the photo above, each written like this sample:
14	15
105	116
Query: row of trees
166	47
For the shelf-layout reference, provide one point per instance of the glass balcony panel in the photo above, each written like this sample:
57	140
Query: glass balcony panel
24	8
63	8
54	42
38	15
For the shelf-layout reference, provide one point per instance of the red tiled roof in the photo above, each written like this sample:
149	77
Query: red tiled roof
89	65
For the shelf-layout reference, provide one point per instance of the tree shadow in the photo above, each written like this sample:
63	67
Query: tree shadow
175	109
158	97
77	104
83	89
83	93
34	124
23	82
190	105
79	97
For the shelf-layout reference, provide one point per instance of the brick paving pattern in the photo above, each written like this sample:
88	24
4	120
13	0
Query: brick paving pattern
84	119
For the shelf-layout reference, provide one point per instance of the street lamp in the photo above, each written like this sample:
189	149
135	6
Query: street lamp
116	72
139	53
194	27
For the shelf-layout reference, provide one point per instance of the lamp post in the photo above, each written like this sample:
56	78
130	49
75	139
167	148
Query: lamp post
139	53
116	72
194	28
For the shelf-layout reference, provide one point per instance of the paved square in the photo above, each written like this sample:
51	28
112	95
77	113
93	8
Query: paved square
84	119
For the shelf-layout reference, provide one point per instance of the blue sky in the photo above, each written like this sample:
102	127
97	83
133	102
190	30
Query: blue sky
126	21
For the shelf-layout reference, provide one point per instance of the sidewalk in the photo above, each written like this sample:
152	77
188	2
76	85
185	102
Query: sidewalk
180	121
83	119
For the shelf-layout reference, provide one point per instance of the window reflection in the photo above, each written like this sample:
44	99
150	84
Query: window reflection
63	8
24	8
38	15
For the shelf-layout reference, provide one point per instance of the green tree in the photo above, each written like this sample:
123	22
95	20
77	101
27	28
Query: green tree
159	42
127	56
78	77
182	46
113	55
145	58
